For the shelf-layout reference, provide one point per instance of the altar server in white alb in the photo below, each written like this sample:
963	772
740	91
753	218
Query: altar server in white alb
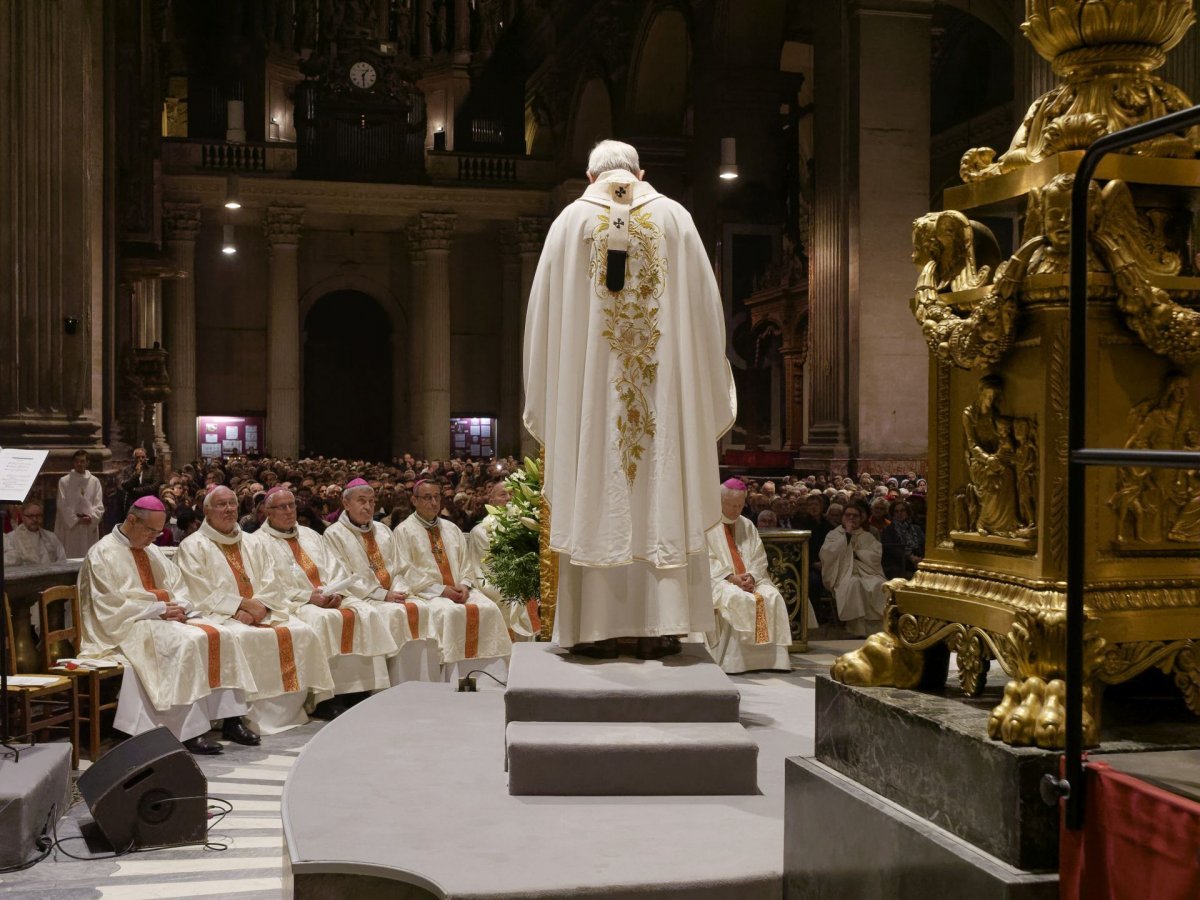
368	551
233	583
29	544
182	670
316	587
752	629
470	628
80	508
628	389
522	618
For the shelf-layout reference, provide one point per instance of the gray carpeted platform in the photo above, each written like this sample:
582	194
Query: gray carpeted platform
546	684
34	792
409	788
630	758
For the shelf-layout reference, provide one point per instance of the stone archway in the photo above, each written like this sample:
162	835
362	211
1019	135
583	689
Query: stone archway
348	384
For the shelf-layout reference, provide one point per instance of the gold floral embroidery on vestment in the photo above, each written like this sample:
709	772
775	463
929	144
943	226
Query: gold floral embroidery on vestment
631	329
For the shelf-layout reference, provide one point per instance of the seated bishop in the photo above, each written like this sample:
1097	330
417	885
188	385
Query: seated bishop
752	626
522	618
368	551
181	670
233	582
317	589
472	631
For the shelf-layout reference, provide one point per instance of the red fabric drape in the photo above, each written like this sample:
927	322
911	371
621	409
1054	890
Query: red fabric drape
1138	842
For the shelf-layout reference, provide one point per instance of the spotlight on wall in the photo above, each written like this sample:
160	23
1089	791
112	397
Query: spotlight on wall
232	192
439	138
729	169
274	129
228	247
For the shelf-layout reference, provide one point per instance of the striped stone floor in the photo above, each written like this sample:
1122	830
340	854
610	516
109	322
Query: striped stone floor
251	779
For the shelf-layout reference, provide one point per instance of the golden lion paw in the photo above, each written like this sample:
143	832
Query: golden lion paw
1017	730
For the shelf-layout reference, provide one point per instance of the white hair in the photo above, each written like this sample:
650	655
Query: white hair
730	492
208	498
609	155
358	487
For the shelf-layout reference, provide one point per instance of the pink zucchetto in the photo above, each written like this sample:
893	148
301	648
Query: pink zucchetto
356	483
278	489
151	503
734	484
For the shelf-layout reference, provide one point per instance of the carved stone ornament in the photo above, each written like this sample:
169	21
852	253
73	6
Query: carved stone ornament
1105	51
435	230
181	221
283	224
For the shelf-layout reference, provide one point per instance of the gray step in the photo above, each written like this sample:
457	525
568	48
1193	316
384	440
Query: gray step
546	684
630	758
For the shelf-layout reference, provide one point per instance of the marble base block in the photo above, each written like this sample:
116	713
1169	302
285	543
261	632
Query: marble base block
842	840
931	754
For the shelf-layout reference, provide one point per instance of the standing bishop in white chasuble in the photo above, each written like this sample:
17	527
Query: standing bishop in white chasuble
232	582
469	625
316	587
628	389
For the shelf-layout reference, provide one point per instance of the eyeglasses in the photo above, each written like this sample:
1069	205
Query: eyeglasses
224	504
283	506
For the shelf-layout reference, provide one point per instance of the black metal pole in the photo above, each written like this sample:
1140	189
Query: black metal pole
4	732
1079	457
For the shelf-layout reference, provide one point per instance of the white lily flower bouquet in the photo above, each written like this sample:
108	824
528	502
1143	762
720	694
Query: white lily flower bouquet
511	563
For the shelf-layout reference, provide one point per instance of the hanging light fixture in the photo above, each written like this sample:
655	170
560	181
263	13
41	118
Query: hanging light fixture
228	246
729	169
232	192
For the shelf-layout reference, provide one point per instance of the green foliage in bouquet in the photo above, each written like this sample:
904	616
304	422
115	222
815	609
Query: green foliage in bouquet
512	560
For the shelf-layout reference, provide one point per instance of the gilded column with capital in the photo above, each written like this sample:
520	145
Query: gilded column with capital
282	225
435	232
181	225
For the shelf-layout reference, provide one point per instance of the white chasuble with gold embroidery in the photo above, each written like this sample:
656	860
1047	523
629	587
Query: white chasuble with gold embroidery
629	391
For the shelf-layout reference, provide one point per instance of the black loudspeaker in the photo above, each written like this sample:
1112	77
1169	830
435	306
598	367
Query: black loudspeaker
146	792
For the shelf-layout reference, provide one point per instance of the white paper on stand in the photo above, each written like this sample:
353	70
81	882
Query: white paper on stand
19	468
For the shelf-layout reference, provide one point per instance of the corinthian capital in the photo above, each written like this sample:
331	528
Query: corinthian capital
531	233
435	230
282	224
181	221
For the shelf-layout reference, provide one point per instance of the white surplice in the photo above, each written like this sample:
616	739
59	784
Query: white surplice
362	667
78	494
629	393
735	642
176	676
281	665
852	569
23	547
520	625
414	545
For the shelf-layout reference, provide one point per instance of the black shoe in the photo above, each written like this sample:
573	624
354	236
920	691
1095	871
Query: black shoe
202	746
656	647
328	710
606	649
235	730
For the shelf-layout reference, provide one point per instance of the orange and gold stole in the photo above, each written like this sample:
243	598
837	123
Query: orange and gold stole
443	563
761	633
314	578
146	573
287	654
375	558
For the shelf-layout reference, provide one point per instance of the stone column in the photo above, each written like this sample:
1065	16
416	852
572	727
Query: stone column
511	324
282	225
462	31
425	28
416	354
436	233
868	368
51	227
531	235
181	225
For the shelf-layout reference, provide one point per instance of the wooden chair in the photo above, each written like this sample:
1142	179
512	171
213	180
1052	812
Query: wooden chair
98	689
49	707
